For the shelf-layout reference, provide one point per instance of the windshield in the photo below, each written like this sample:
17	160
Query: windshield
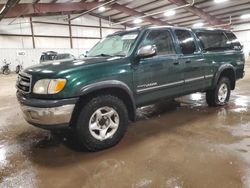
114	45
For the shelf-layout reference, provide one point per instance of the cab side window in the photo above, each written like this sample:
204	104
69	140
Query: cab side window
186	40
213	41
162	40
233	41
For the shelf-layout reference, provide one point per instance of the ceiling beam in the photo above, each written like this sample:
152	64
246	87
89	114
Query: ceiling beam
214	11
44	8
135	13
107	19
110	10
225	15
131	12
198	12
140	6
54	1
6	8
149	10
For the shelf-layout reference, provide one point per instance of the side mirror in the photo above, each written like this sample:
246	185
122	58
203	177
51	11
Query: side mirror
147	51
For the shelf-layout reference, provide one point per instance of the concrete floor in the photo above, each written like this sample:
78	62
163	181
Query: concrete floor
173	144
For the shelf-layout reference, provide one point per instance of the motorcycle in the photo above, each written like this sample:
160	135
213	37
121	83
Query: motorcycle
5	69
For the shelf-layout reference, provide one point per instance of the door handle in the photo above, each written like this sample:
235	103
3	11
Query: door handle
188	61
176	63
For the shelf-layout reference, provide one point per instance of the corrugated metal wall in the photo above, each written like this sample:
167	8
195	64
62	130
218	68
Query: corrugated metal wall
11	45
31	56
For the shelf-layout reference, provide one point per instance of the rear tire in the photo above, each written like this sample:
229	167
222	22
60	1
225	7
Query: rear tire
102	123
220	95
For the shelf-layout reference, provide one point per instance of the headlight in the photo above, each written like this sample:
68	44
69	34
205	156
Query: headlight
49	86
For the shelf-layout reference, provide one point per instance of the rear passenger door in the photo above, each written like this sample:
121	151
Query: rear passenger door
191	57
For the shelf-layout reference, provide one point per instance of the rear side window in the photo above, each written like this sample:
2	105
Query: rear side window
213	41
233	41
186	41
162	40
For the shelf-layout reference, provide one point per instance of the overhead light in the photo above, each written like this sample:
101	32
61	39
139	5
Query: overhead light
169	13
2	9
138	20
220	1
101	9
78	19
245	16
198	24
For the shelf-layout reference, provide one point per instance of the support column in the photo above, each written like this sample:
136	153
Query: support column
100	24
70	32
32	33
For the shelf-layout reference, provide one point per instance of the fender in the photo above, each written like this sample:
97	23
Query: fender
111	84
220	70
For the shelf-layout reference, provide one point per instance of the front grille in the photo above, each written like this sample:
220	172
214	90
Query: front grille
24	83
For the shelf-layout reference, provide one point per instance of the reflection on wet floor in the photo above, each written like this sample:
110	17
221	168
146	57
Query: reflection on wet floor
151	111
176	143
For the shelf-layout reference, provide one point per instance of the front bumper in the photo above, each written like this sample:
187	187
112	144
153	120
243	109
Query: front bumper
47	114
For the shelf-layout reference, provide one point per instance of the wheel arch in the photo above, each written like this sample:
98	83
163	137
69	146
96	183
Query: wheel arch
228	71
112	87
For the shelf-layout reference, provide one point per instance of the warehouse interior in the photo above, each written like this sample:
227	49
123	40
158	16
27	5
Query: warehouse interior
174	143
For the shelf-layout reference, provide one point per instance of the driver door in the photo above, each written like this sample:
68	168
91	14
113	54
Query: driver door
159	76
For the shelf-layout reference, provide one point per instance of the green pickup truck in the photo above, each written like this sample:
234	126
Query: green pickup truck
97	96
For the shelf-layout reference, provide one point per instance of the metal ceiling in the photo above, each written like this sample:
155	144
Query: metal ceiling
206	11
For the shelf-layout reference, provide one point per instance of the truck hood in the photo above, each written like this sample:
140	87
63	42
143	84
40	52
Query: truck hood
59	66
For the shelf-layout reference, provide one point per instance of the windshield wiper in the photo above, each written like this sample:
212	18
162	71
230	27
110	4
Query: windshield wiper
120	55
107	55
104	55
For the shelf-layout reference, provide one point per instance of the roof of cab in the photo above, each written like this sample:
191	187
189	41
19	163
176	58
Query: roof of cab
210	29
174	27
186	28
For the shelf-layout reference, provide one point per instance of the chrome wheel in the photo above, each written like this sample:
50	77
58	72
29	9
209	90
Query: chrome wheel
222	93
104	123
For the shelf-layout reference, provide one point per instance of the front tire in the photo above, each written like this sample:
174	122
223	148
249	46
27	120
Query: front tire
220	95
102	123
